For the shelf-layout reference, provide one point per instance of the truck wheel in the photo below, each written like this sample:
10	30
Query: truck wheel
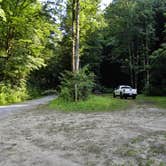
134	97
125	97
121	96
114	95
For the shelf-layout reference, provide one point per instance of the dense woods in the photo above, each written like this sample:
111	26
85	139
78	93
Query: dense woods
124	44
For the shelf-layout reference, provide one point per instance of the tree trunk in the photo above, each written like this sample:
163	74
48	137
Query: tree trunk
133	64
147	60
77	56
130	65
75	44
73	36
136	63
137	70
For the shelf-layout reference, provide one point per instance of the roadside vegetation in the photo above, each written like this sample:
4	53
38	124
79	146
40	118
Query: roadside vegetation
159	101
40	40
104	102
95	103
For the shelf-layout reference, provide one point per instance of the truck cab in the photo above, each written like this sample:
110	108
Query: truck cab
125	91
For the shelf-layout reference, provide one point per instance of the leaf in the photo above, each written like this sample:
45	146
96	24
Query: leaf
2	14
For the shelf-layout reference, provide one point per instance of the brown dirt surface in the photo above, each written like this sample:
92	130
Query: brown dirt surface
42	137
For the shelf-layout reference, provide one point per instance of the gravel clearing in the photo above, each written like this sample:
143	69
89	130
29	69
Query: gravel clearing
43	137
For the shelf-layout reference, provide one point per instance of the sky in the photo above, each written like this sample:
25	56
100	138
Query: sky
105	3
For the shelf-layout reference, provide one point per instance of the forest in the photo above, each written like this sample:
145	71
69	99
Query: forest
123	44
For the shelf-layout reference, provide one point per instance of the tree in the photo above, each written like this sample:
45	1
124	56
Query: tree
76	38
78	17
132	32
24	37
157	85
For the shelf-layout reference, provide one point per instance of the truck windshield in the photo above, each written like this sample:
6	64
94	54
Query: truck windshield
126	87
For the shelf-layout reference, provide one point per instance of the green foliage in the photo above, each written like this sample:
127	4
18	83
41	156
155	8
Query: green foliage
25	46
91	19
34	52
33	92
158	73
2	13
132	34
10	94
24	36
82	80
92	104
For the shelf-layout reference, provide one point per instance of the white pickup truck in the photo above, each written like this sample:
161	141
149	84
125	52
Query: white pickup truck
125	91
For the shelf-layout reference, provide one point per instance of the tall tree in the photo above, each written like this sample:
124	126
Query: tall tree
77	56
76	38
24	36
131	24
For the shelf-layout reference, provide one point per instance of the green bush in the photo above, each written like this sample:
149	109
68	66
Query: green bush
9	94
82	81
34	92
13	94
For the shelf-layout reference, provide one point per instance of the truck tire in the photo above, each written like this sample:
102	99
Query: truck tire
114	95
121	96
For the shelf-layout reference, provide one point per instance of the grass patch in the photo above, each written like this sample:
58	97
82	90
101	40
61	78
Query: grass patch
131	153
159	101
93	104
137	139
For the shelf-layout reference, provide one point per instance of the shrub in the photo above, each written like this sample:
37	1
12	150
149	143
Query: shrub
9	94
33	92
82	81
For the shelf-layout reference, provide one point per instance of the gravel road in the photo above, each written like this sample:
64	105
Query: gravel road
42	137
31	104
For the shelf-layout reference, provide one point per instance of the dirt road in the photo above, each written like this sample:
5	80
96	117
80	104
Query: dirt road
42	137
31	104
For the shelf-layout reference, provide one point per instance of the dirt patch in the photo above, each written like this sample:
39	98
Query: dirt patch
41	137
